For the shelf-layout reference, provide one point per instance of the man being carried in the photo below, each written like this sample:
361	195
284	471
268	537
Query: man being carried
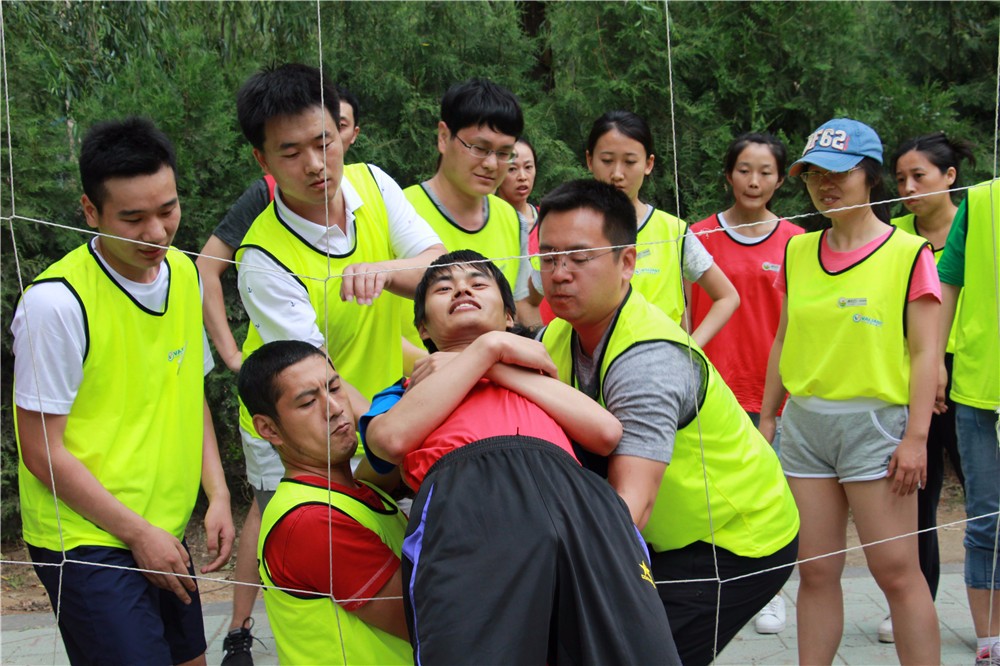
514	554
329	547
109	363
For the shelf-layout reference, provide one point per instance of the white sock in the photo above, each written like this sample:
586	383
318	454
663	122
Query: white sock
989	641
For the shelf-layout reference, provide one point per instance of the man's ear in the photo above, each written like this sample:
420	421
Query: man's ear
443	135
259	156
268	429
89	211
628	262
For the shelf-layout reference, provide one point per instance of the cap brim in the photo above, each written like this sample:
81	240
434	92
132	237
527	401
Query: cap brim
825	160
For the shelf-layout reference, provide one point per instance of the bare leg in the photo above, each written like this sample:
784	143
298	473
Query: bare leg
979	605
881	514
820	605
245	571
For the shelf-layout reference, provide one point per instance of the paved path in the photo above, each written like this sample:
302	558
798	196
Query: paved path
32	639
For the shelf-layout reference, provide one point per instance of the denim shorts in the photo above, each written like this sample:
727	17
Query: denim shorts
849	447
116	616
976	430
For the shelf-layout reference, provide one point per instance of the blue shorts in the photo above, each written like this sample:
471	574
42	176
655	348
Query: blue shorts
116	616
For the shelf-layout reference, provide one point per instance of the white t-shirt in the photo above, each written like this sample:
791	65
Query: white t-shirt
49	326
275	300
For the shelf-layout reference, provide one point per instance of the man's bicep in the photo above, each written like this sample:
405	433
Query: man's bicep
385	609
278	305
650	405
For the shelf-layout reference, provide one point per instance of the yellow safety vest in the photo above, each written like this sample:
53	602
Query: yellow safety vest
908	224
137	422
846	335
976	372
659	256
308	627
749	503
363	340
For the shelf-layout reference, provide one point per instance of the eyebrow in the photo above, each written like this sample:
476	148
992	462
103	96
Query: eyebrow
571	248
313	391
138	211
449	276
292	144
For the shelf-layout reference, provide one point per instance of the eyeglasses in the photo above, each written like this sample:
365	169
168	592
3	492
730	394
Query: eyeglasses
480	153
571	261
835	177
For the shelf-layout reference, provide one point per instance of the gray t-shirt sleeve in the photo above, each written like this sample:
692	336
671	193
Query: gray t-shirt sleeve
651	404
240	216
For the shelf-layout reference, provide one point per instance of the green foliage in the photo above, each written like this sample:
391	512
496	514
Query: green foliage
905	68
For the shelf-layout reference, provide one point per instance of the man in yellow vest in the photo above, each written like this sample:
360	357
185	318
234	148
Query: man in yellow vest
113	430
326	221
722	509
969	264
479	126
329	546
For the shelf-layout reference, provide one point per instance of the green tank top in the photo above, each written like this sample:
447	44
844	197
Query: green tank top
137	422
976	371
307	628
846	334
659	257
749	510
362	341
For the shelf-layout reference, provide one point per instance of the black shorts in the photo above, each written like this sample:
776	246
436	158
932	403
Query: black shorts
515	554
112	615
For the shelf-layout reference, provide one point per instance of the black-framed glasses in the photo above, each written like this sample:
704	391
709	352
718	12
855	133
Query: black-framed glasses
571	261
835	177
480	153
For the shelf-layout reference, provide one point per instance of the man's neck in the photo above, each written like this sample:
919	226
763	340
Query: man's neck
590	333
465	209
339	473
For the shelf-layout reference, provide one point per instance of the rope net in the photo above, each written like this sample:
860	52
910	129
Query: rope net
13	221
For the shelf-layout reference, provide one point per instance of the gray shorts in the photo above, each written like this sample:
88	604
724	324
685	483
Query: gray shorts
848	447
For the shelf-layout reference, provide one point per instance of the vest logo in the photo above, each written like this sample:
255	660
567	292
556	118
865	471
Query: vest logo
642	254
177	355
852	302
647	574
646	271
768	266
862	319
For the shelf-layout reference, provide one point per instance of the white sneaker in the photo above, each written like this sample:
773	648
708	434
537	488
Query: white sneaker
989	656
771	618
885	631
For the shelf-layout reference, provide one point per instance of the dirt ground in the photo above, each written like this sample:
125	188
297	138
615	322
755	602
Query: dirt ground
21	592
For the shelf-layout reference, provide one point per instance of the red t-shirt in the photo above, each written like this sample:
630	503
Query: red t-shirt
297	551
739	351
489	410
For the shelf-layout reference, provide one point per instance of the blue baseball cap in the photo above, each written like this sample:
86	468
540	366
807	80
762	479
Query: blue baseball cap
838	145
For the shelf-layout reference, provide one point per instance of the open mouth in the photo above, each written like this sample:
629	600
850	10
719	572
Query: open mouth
462	306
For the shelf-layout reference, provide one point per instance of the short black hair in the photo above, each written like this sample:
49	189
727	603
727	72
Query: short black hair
620	226
122	149
347	96
256	383
479	102
285	90
444	265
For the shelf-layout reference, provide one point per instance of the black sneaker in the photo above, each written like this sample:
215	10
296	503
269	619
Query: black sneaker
237	644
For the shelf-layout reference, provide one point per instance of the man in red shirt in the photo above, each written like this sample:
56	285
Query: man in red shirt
327	542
